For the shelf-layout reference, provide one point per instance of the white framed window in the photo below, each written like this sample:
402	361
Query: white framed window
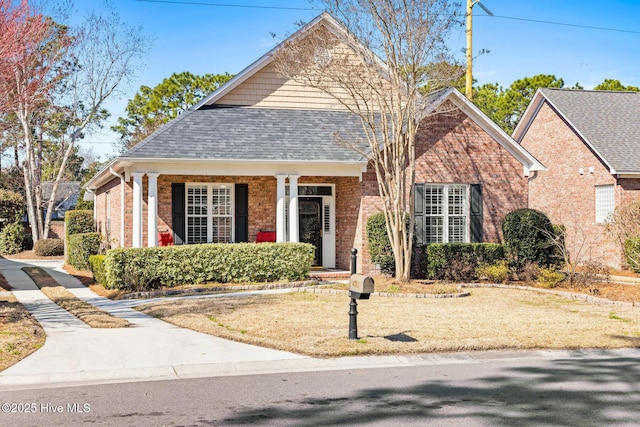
446	211
209	213
605	202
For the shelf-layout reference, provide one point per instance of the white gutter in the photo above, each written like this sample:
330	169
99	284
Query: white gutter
122	202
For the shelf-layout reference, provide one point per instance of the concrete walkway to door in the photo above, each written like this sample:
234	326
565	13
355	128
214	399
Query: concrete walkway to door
149	349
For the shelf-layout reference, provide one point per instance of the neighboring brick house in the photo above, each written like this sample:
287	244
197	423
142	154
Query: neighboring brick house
589	141
262	147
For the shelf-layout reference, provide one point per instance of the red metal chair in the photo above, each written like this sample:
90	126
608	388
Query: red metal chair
165	238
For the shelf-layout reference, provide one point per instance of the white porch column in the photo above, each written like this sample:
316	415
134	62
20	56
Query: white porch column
280	208
152	210
136	238
293	208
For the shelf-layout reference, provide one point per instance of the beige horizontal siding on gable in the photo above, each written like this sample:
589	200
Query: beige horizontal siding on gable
268	90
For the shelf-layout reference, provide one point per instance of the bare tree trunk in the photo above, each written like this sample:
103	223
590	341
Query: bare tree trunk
28	177
54	189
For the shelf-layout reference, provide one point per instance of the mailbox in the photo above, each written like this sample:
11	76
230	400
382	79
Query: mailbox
360	286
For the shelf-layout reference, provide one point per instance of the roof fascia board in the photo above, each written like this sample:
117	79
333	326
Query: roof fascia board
226	167
527	118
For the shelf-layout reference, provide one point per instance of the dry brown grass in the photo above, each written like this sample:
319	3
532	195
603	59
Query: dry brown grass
20	334
317	324
30	255
84	311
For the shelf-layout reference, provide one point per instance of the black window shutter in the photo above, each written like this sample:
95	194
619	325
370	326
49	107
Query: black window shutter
476	213
419	214
178	213
242	212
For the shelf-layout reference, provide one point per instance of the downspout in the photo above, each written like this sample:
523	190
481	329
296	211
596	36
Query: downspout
95	211
122	202
529	179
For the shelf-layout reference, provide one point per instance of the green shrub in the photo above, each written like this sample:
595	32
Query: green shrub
11	238
49	247
549	278
27	242
77	222
527	235
96	265
495	273
11	207
81	247
458	261
632	253
144	268
379	245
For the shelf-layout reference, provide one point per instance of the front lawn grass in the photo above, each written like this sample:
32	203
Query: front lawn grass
20	333
316	324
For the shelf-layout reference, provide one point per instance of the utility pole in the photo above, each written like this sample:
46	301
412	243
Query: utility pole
469	31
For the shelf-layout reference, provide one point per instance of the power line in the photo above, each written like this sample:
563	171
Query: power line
246	6
564	24
513	18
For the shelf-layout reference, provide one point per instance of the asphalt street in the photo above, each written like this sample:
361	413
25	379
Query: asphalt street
519	391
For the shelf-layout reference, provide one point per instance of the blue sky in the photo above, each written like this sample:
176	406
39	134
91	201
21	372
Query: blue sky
216	39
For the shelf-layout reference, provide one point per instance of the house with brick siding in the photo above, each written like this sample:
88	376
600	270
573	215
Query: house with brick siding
589	142
257	160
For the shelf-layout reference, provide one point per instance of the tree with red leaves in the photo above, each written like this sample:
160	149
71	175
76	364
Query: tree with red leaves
32	51
53	83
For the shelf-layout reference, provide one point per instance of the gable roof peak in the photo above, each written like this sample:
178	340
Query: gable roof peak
326	19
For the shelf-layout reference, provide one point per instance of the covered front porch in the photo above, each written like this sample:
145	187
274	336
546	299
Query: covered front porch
238	204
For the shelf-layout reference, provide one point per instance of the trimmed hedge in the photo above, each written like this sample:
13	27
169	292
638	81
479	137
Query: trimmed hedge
11	238
379	245
81	247
96	265
145	268
77	222
459	261
527	238
11	207
49	247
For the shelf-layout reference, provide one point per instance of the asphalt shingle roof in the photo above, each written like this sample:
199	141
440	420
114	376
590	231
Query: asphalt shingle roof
245	133
609	121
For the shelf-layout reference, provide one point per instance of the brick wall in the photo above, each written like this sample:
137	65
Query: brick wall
567	196
451	148
114	188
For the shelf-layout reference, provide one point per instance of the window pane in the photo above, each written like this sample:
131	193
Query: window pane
457	228
196	230
433	199
221	230
221	199
433	230
197	207
605	202
457	200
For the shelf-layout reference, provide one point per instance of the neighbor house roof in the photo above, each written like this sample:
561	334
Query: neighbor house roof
252	134
608	122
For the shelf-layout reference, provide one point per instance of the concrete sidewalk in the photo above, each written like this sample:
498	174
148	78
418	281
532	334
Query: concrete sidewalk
74	352
151	349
